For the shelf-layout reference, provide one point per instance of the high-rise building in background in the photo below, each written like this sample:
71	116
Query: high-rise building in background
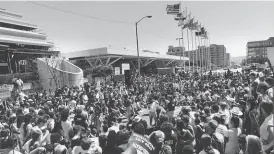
257	50
219	57
227	59
202	54
215	55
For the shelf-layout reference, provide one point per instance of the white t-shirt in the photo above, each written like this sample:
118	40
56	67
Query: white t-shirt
232	146
221	129
270	92
66	126
215	152
91	150
264	132
153	107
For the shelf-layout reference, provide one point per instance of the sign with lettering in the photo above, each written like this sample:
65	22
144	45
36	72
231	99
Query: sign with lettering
5	90
125	66
138	144
117	71
22	62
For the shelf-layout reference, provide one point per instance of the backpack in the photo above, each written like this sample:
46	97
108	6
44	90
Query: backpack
217	144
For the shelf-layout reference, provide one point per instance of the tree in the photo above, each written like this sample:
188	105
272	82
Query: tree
52	64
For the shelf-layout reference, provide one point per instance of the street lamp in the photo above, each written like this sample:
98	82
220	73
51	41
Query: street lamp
136	25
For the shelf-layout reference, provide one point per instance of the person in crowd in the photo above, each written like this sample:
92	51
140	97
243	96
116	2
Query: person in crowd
96	120
231	136
262	97
253	145
242	143
111	147
225	112
217	138
251	121
254	81
206	142
170	136
266	129
188	149
153	111
184	137
65	123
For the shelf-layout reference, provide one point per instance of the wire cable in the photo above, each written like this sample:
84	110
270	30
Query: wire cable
92	17
79	14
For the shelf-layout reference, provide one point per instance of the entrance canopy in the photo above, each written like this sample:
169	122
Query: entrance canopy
107	56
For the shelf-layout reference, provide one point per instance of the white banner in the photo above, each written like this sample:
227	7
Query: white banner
270	55
117	71
125	66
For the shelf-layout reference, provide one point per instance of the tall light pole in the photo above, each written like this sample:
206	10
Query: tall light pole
136	25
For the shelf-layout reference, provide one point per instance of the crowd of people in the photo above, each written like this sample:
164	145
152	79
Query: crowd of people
181	113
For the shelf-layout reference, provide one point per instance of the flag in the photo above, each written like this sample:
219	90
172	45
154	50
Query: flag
202	30
198	28
181	22
173	9
181	16
198	33
195	25
190	23
186	22
185	26
205	35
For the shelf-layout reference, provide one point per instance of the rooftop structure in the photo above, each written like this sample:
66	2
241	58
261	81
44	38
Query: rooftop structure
102	57
20	45
257	50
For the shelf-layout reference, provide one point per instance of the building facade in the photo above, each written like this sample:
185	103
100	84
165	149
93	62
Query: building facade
218	55
21	44
257	50
227	59
199	57
176	51
215	55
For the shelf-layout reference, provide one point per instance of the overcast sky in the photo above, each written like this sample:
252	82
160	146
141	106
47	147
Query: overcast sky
232	24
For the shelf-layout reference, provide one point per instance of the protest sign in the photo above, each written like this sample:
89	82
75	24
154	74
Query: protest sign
138	144
270	55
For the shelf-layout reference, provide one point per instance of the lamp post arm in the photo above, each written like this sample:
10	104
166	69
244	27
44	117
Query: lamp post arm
140	20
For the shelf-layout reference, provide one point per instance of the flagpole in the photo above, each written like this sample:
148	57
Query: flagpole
182	31
202	54
192	51
210	53
205	57
206	54
196	52
188	46
183	43
199	46
200	39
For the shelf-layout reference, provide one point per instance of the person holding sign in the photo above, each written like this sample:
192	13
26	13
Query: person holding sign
138	143
171	137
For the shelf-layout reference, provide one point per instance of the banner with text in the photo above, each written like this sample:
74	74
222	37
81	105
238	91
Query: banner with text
117	71
125	66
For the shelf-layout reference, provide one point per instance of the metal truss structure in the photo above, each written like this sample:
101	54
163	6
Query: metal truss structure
102	61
